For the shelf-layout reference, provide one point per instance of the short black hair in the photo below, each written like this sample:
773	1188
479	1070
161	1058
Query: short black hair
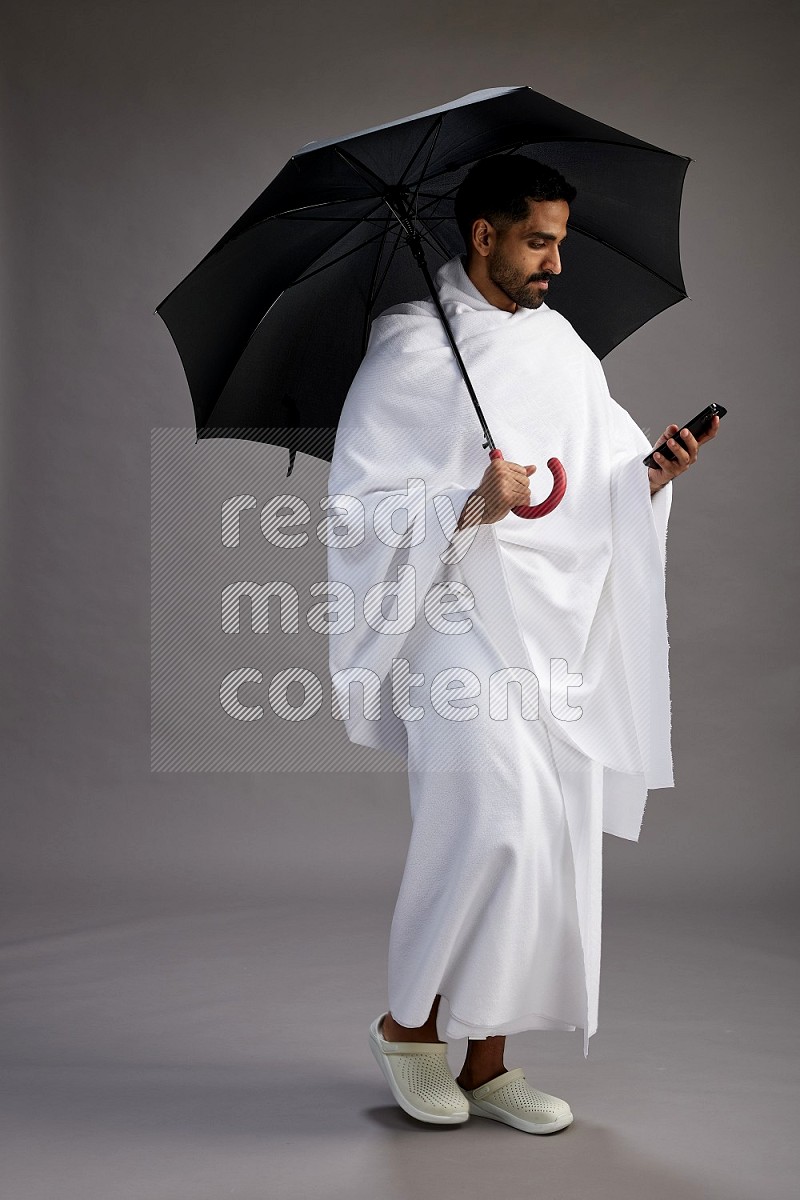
498	188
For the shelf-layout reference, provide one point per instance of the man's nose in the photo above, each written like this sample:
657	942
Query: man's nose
554	262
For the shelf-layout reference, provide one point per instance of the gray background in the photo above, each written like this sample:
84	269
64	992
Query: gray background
191	959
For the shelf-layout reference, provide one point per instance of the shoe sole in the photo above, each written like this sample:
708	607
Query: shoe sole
404	1102
518	1122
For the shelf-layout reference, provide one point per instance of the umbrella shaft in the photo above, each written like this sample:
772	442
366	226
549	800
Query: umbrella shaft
418	252
414	238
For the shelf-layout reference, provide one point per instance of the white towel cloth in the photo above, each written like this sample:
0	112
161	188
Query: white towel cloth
499	908
580	591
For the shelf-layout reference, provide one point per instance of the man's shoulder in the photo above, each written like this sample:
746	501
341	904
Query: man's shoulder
414	323
410	308
567	329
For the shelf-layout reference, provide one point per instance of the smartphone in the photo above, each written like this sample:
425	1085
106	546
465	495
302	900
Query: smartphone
697	426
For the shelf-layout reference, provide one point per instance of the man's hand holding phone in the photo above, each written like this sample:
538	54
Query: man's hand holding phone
683	447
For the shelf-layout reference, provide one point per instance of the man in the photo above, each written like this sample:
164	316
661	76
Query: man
499	905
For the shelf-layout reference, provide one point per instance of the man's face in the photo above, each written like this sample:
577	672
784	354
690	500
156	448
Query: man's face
524	256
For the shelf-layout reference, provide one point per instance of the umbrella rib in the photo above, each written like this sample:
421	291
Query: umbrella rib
445	195
290	212
512	146
389	262
300	216
229	237
367	242
510	149
373	292
424	168
616	250
360	246
431	211
324	267
351	220
318	204
441	195
438	195
361	169
434	129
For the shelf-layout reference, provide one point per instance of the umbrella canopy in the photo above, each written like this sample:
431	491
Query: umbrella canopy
273	322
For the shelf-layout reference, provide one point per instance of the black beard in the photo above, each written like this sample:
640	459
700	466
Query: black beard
517	287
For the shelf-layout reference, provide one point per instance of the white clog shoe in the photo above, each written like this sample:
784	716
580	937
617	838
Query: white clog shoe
420	1078
511	1099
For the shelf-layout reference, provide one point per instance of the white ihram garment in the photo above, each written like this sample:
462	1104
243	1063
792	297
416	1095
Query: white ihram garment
499	908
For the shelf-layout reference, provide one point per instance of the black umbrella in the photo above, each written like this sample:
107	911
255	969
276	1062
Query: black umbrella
273	322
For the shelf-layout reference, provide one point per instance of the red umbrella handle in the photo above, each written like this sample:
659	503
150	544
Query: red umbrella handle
556	495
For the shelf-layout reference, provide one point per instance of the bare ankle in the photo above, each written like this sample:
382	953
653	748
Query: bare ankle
469	1080
394	1032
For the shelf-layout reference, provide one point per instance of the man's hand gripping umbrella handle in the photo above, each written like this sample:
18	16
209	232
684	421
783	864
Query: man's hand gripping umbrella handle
528	511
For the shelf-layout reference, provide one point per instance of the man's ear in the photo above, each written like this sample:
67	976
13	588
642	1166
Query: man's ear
481	236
